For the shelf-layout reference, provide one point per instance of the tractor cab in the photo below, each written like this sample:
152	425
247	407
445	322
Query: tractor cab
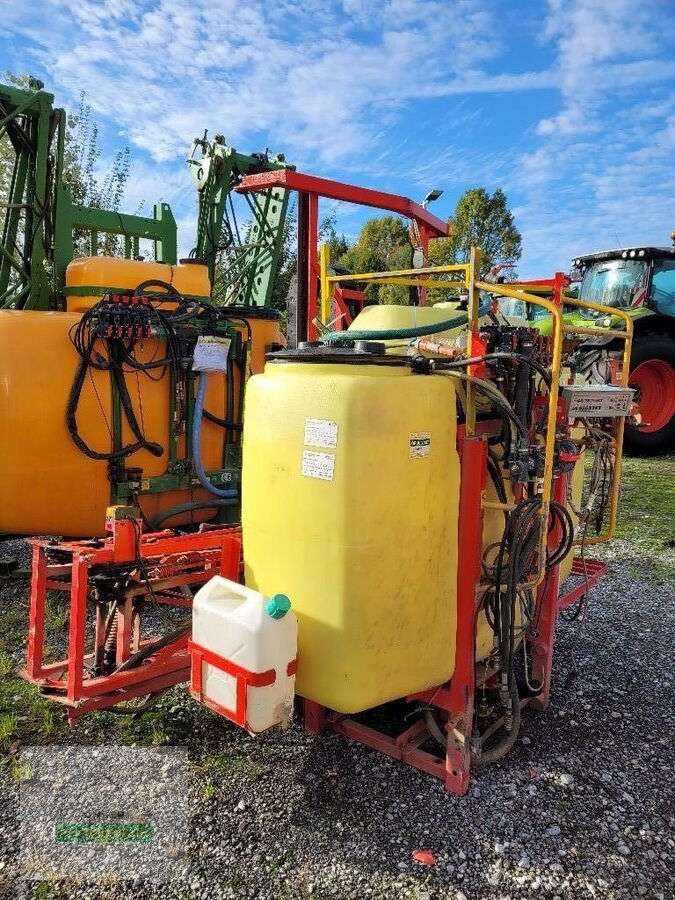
631	279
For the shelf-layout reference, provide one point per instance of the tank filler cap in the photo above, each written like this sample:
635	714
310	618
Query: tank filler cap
375	347
277	606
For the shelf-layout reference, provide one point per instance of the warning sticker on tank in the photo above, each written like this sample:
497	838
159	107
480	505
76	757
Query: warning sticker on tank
318	465
211	353
321	433
420	444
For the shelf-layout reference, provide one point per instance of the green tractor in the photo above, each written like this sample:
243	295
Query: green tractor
641	281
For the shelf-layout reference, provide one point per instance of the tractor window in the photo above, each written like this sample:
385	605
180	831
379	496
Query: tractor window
663	287
616	282
516	309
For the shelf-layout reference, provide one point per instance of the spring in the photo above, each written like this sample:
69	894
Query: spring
111	639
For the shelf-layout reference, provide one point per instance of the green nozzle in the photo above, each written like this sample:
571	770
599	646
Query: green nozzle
278	606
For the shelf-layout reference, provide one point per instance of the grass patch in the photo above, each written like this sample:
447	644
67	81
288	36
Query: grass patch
9	722
225	765
13	623
209	791
647	501
57	611
6	664
646	512
21	771
37	721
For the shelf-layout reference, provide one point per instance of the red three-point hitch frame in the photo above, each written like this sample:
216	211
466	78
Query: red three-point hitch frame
116	663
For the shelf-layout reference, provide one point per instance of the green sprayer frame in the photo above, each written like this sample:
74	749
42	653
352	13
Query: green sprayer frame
39	218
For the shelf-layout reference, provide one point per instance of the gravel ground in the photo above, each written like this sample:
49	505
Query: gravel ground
583	806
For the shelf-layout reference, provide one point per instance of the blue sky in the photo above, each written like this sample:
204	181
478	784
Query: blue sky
568	105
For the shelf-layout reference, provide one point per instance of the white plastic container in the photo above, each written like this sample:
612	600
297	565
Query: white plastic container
256	635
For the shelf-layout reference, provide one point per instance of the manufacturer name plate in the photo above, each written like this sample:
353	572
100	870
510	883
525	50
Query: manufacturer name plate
597	401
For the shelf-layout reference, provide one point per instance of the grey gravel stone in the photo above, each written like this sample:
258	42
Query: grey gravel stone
326	818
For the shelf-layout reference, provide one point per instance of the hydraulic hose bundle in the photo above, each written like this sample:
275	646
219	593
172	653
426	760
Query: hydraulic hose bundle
107	338
513	360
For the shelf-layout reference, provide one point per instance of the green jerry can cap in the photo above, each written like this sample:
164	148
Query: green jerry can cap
278	606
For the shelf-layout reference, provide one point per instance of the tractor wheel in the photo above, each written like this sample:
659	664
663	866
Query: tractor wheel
653	378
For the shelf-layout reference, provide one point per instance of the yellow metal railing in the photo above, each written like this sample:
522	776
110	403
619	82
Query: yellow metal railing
430	277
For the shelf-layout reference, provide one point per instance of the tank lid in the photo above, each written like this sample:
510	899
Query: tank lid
277	606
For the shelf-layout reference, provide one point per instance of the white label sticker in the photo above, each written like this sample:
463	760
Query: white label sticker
420	444
318	465
211	354
321	433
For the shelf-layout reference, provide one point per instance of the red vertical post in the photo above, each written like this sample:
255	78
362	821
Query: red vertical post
230	558
312	267
36	619
78	621
560	282
315	717
125	537
473	457
547	599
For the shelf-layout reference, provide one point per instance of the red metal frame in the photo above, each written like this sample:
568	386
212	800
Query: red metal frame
169	561
456	697
341	296
310	188
244	678
591	570
290	180
542	639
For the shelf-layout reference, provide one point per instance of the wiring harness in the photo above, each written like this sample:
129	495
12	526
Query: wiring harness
110	337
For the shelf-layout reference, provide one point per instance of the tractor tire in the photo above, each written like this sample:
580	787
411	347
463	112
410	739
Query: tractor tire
652	376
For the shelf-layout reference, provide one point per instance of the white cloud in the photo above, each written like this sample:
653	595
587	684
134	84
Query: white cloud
602	45
319	78
327	81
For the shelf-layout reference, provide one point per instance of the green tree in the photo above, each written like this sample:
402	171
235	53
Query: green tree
480	220
337	243
81	158
383	245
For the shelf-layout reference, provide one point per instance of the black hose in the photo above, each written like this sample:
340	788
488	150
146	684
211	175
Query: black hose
498	482
510	737
562	515
71	416
223	423
499	401
486	357
137	658
190	507
494	753
521	400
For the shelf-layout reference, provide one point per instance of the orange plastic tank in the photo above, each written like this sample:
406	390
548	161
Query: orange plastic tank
48	485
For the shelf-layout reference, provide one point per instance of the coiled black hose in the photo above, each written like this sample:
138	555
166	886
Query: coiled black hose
485	757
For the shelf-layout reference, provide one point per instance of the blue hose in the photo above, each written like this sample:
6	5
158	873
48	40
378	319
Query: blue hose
197	414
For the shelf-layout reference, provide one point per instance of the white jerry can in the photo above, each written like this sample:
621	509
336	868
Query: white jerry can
243	654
